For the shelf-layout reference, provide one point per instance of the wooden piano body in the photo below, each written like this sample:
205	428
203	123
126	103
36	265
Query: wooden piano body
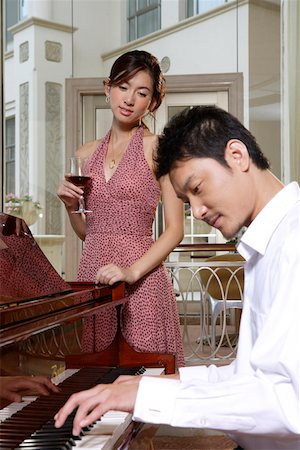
35	299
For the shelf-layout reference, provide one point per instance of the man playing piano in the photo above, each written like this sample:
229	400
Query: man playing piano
215	164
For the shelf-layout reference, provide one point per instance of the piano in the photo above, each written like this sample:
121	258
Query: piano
36	302
39	314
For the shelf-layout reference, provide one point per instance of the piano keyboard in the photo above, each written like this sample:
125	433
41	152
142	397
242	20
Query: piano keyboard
29	425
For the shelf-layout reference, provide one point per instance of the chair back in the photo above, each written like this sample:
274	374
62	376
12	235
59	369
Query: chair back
223	282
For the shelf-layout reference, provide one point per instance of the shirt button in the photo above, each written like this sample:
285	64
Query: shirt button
203	421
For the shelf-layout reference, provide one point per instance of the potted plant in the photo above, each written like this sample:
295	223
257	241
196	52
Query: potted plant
23	207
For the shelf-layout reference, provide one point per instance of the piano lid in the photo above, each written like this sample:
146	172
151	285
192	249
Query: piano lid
25	272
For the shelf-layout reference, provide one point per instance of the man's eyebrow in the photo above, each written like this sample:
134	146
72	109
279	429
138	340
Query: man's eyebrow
182	197
180	194
187	183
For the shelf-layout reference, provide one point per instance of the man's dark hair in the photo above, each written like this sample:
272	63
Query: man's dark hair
203	132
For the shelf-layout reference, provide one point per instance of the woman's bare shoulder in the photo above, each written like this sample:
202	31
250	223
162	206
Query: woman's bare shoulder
88	148
150	141
150	144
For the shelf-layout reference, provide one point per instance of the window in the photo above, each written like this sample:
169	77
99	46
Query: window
143	17
194	7
15	10
10	156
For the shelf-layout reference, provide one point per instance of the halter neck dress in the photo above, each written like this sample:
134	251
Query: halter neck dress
119	230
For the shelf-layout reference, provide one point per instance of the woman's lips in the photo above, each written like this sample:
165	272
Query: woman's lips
125	112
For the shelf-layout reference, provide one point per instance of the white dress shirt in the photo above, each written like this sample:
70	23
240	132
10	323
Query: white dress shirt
255	399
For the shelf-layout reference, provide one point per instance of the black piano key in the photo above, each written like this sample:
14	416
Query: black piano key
64	447
47	447
42	444
49	434
7	444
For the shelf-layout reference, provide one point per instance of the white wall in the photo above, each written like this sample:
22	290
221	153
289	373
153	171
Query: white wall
169	13
268	137
98	31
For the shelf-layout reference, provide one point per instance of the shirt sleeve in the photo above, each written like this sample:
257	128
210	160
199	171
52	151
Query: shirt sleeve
205	373
247	404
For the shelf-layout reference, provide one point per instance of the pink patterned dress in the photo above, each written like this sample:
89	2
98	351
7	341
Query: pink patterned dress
119	230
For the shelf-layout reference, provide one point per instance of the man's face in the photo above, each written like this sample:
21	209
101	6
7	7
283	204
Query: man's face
219	195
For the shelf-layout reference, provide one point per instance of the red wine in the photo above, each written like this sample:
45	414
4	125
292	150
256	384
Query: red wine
80	181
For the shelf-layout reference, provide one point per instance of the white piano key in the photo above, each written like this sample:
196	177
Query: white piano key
63	376
151	371
14	407
105	431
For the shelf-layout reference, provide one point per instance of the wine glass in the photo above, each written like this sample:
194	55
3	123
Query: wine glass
78	175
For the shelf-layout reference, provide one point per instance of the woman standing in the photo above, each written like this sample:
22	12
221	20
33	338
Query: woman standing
123	197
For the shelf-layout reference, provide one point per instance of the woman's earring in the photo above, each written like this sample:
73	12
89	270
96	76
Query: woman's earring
107	99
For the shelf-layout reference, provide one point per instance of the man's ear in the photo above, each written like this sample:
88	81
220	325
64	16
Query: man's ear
236	153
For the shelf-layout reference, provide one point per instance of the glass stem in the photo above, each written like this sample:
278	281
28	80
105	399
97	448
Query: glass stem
81	204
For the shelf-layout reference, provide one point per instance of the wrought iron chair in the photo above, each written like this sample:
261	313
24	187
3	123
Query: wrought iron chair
223	286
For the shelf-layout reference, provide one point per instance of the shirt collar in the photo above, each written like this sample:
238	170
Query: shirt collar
260	231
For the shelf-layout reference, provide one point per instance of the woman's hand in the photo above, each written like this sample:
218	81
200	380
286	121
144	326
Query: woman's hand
69	193
111	273
95	402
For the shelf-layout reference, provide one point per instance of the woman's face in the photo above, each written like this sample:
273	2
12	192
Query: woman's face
132	99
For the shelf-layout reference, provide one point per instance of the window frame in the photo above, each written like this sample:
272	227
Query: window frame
152	5
195	6
19	11
10	155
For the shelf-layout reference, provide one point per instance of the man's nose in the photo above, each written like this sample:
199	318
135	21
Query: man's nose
198	211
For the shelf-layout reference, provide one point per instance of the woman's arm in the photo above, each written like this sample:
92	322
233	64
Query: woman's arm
171	236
